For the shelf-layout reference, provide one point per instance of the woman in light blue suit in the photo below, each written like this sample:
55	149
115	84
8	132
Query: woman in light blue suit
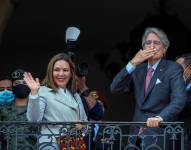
56	100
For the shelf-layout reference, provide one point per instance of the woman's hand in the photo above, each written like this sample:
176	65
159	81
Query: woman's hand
34	85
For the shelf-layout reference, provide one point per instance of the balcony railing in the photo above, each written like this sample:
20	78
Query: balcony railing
110	136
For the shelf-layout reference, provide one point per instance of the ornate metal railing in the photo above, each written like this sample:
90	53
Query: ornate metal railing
110	136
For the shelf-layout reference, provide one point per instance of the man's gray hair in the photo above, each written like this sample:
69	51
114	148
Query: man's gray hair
160	33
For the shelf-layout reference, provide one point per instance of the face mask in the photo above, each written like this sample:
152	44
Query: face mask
6	97
21	91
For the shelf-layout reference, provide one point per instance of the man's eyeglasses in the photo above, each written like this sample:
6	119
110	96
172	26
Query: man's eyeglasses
149	42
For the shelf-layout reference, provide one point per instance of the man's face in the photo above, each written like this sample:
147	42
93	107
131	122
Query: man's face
154	42
5	85
187	69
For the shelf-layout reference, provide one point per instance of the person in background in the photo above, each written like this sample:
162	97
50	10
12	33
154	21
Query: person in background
20	89
6	99
98	135
93	107
102	136
185	61
17	112
185	116
6	93
158	87
56	100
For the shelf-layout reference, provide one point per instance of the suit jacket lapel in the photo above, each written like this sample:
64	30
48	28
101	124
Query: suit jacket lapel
73	104
157	74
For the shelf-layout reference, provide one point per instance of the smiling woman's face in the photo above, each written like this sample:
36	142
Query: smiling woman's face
61	73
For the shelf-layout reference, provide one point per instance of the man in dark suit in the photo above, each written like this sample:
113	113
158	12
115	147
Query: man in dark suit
158	86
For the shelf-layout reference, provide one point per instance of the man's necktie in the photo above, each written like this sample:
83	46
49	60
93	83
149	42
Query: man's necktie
148	77
147	81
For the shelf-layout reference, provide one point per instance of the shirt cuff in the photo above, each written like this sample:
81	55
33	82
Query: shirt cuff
33	96
161	119
130	67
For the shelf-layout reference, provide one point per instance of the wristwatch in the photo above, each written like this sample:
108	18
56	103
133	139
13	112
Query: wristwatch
86	92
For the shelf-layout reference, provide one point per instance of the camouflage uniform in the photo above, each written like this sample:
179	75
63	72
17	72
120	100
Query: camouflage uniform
23	141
